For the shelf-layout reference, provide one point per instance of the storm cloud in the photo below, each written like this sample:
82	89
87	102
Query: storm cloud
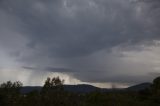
91	40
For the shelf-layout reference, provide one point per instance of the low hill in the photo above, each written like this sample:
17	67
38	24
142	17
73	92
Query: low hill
83	88
139	86
71	88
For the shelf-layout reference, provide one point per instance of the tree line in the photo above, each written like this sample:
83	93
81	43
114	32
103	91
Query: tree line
53	94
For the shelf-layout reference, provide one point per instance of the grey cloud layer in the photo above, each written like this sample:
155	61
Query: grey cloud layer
68	28
71	33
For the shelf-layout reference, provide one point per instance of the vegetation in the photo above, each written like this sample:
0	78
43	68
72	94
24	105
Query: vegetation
53	94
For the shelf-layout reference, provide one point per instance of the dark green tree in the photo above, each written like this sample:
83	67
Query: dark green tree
10	92
155	90
53	84
156	83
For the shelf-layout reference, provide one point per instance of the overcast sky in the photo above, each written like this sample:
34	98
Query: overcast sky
100	42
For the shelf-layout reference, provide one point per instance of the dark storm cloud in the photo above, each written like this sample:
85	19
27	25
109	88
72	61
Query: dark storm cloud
72	33
68	28
88	31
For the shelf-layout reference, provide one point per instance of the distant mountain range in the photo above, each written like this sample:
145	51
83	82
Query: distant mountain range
88	88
